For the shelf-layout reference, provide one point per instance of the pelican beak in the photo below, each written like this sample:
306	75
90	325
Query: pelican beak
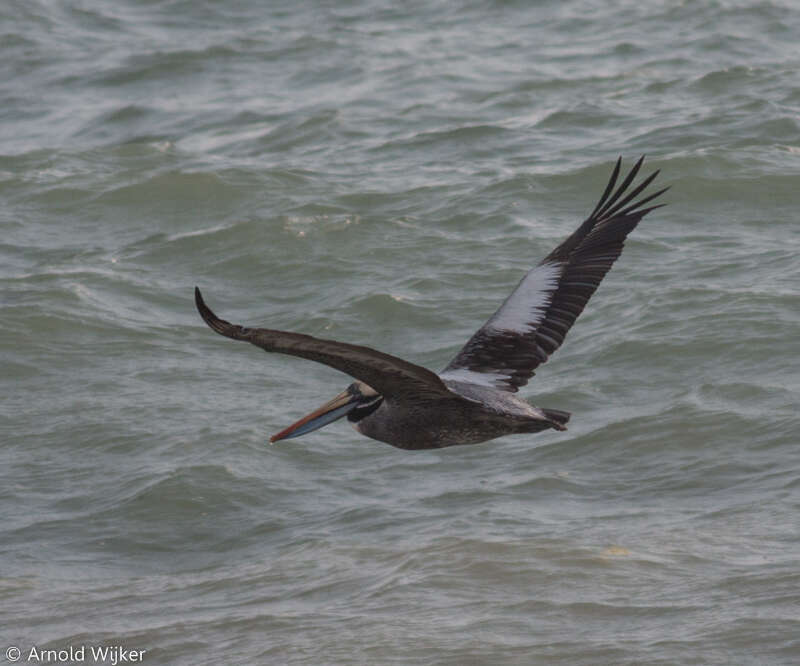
343	403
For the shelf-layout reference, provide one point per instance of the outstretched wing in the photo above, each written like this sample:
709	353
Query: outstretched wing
533	321
392	377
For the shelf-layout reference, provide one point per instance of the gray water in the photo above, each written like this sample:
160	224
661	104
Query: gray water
384	173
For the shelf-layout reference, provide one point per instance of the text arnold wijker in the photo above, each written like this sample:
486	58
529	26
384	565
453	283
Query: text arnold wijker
100	654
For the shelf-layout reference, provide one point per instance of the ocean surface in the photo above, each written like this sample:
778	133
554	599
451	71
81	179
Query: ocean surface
383	174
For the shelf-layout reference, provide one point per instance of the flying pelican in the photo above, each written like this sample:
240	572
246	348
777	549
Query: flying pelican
472	400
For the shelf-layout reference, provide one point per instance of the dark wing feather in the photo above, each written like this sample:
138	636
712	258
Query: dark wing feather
392	377
533	321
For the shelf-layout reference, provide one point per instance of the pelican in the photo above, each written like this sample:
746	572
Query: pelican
473	399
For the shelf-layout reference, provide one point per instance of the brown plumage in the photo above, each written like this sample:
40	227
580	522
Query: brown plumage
472	400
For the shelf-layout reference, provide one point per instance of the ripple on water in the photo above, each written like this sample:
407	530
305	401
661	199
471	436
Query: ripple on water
385	177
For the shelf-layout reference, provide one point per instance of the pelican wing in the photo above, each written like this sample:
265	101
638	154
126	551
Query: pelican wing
392	377
533	321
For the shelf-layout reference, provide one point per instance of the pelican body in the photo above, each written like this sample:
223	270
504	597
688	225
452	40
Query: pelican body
473	399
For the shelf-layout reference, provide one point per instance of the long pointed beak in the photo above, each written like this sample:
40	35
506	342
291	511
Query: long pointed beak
328	413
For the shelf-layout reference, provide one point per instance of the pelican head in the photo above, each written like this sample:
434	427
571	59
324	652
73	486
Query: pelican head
356	401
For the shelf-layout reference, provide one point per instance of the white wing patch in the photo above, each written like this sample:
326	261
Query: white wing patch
523	310
467	376
520	314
